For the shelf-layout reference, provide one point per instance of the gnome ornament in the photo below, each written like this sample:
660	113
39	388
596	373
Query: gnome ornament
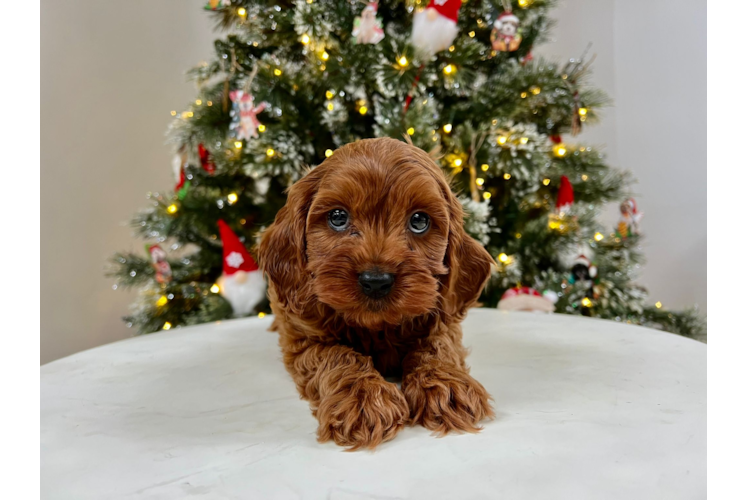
583	274
565	198
241	283
244	120
178	164
524	298
367	28
505	35
628	224
435	28
159	263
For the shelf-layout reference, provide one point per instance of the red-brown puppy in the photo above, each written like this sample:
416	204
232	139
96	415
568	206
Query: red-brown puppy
369	274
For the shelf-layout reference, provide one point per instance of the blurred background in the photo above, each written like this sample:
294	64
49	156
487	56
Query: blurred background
113	71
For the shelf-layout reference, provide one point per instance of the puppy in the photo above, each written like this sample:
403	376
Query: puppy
369	274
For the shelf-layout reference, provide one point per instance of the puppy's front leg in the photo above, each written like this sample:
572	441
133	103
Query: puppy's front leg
441	394
353	403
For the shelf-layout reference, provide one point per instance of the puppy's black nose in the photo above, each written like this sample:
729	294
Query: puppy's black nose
376	284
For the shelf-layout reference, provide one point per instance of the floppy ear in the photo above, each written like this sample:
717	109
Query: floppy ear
282	249
469	266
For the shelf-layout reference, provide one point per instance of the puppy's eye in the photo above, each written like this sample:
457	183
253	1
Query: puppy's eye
419	223
338	219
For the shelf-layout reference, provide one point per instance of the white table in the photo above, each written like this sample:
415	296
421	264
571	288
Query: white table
586	409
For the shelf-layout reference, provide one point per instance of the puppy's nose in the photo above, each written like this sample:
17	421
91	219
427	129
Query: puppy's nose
376	284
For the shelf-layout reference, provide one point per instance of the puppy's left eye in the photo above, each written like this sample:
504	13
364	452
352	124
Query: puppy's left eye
338	219
419	223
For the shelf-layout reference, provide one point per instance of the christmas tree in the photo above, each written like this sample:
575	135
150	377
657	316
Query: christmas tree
292	81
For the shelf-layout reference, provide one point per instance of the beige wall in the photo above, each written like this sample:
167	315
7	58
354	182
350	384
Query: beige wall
112	71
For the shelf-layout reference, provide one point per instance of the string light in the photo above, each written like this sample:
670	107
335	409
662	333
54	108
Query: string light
484	167
325	56
173	113
363	109
507	176
523	95
523	140
261	315
546	181
198	102
270	152
187	114
305	39
486	195
329	94
328	153
403	61
599	236
501	140
449	69
658	304
172	209
322	68
411	131
503	258
524	3
458	162
330	106
238	144
241	11
585	177
167	326
559	150
447	128
479	181
215	288
518	235
261	127
535	90
277	72
586	302
162	301
471	34
451	48
232	197
210	103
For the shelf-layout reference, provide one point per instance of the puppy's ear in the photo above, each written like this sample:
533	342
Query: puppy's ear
282	249
469	266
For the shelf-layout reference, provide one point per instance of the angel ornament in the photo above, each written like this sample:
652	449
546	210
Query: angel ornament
244	121
367	28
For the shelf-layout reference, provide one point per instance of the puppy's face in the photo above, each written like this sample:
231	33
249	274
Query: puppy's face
376	234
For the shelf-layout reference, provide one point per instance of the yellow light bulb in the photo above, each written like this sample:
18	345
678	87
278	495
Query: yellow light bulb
458	162
507	176
238	144
325	56
198	102
471	34
270	152
484	167
402	61
173	113
305	39
585	177
261	127
210	103
277	72
523	140
658	304
447	128
486	195
586	302
523	95
518	235
599	236
322	68
535	90
503	257
162	301
328	153
411	131
241	11
363	109
451	48
479	181
559	150
501	140
167	326
449	69
582	111
329	94
546	182
215	288
330	106
261	315
232	197
172	209
523	3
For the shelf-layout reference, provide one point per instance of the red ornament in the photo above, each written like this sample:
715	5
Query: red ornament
555	139
205	160
565	195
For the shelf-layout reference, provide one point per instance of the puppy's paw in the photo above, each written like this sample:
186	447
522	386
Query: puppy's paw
444	400
368	413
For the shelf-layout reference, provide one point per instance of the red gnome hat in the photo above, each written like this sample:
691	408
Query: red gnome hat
235	255
565	195
448	9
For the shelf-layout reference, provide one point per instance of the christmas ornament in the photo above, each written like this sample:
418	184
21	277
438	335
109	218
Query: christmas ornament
241	283
216	4
505	35
159	263
244	120
565	197
178	164
205	159
628	224
583	274
367	28
435	28
524	298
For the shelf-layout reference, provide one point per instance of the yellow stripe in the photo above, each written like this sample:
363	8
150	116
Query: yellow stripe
712	422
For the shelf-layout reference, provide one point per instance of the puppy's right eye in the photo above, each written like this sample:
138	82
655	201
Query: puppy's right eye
338	219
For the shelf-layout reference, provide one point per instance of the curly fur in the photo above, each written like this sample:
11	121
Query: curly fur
337	343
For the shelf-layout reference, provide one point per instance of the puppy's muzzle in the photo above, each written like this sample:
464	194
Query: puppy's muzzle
375	283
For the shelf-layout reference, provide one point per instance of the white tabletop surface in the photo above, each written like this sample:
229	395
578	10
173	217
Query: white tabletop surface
586	409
